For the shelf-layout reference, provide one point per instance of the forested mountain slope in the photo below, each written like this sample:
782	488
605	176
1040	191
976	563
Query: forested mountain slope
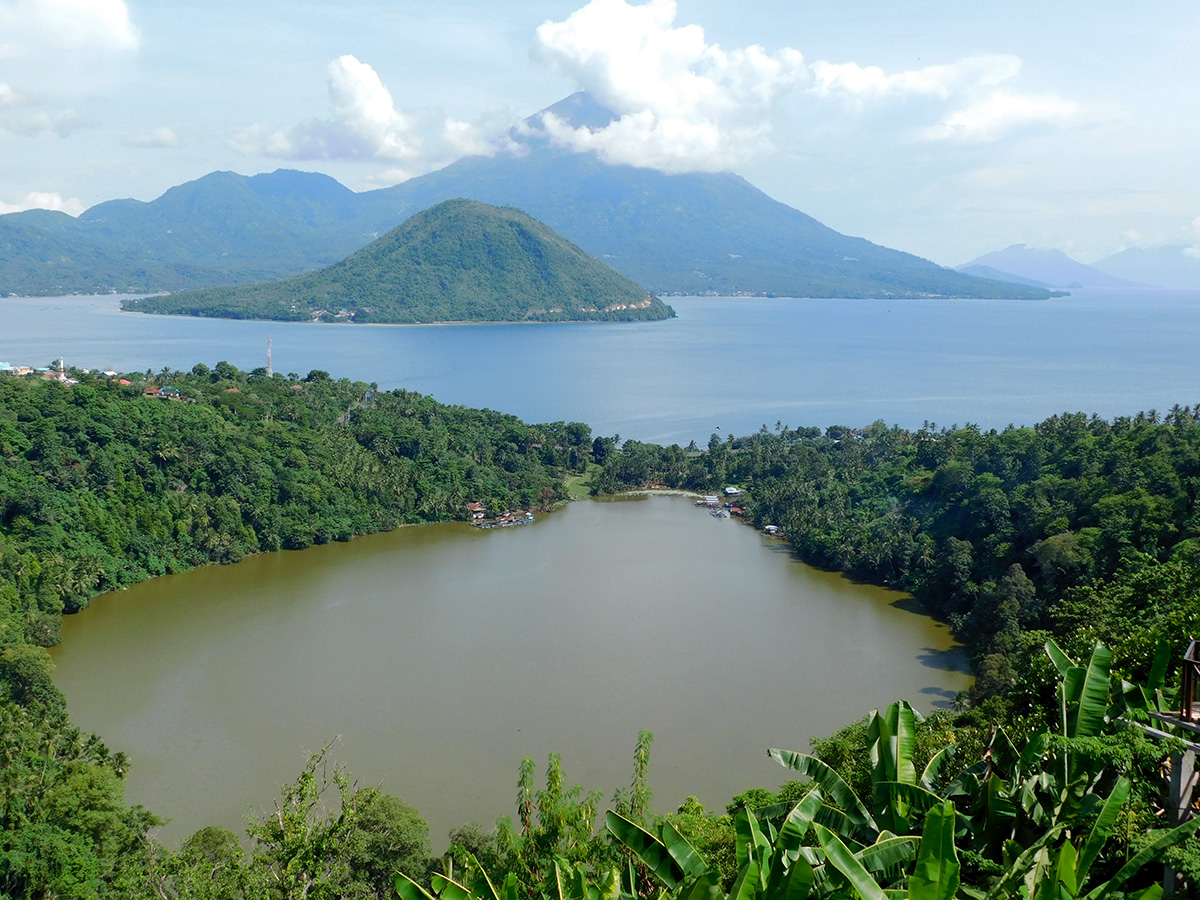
459	261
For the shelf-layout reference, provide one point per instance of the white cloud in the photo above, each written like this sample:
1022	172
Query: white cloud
159	138
938	81
365	124
686	104
1194	250
682	102
61	123
1001	113
43	200
8	97
30	27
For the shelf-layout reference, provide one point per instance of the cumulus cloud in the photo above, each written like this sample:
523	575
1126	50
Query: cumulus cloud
29	27
938	81
43	200
41	123
1194	250
159	138
8	97
365	123
683	103
1000	113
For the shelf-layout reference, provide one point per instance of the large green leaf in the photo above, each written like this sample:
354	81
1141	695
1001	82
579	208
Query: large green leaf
1164	841
903	719
571	884
891	743
688	858
1158	669
935	765
1000	814
887	853
448	889
1065	872
1101	829
605	885
1007	884
936	873
831	784
409	889
1061	661
914	796
1088	718
701	887
790	882
838	856
747	883
646	847
799	820
752	844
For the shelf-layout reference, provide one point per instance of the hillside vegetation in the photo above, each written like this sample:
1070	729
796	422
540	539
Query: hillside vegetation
460	261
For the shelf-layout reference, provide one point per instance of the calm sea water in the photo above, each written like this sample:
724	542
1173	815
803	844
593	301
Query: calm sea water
724	365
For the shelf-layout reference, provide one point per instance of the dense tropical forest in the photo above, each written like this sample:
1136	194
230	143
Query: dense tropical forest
460	261
1064	554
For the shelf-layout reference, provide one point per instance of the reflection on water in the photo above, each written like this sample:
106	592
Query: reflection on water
442	655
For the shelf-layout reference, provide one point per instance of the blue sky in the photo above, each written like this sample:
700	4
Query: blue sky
946	129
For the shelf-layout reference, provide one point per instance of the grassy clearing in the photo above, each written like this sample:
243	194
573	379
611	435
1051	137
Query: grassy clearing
579	487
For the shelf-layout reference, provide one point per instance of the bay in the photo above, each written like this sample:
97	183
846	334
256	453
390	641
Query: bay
725	365
442	655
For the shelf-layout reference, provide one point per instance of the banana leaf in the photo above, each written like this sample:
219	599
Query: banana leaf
1149	853
1087	719
1101	829
840	858
407	889
831	784
935	765
448	889
1061	661
701	887
650	850
752	844
793	882
936	874
1006	884
688	858
747	884
888	853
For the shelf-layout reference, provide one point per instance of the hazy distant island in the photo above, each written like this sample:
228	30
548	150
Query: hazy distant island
460	261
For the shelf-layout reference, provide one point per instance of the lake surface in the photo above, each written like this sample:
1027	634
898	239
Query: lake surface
724	365
443	655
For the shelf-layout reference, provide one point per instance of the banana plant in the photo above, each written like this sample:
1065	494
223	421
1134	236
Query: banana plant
899	795
1152	695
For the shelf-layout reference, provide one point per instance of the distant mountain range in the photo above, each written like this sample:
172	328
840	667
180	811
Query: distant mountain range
1167	267
459	261
688	233
1047	268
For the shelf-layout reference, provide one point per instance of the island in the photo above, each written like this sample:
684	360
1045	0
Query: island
459	261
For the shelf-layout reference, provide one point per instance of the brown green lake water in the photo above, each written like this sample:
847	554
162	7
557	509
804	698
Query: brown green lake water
442	655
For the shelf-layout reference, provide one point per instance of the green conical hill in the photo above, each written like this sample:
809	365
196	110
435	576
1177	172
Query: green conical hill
459	261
